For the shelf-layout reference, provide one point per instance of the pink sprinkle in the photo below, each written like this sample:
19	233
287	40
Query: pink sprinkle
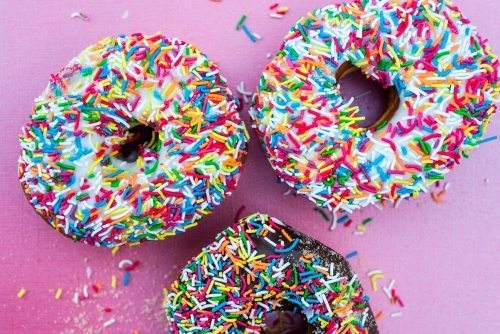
273	6
238	214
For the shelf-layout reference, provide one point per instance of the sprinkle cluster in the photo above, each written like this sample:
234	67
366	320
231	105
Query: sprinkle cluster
261	266
444	73
70	166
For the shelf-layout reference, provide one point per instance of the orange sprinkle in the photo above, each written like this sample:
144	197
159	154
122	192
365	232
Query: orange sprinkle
286	235
436	198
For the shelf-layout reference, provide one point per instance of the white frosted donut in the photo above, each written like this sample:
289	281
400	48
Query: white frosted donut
136	139
442	80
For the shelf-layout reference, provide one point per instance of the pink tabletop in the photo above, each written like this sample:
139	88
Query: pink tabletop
444	257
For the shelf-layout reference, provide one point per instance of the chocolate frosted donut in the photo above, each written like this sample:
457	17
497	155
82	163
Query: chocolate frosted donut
136	139
261	266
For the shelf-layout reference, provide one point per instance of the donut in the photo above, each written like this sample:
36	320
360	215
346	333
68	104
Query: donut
136	139
441	81
260	267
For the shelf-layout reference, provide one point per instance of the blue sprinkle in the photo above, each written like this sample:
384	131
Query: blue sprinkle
289	249
487	140
249	34
343	219
126	279
353	254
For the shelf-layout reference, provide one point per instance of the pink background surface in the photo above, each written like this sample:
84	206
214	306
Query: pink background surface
444	257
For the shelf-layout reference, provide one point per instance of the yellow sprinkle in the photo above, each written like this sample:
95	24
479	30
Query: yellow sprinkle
113	281
93	165
21	293
58	293
373	278
115	250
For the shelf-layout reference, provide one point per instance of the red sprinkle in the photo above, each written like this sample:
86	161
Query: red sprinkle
132	266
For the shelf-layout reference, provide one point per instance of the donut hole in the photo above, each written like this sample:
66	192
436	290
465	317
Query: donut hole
286	322
138	137
376	104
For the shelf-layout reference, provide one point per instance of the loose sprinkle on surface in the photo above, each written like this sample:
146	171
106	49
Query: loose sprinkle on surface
334	221
126	278
109	322
58	293
240	22
80	15
249	34
323	213
21	293
351	255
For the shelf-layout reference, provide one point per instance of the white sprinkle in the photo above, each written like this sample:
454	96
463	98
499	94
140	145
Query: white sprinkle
391	285
125	15
124	262
397	314
268	55
358	233
80	15
447	185
334	221
374	272
270	241
75	298
286	193
398	201
88	270
276	16
109	322
363	94
86	291
242	91
487	180
256	35
387	293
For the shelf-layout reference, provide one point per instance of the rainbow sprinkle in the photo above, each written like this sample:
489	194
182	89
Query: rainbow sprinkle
259	267
444	73
70	166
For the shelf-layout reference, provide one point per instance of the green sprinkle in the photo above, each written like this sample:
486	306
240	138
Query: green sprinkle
65	166
240	22
176	135
212	163
367	221
177	175
426	147
384	123
152	169
79	197
140	219
295	274
322	213
297	86
102	62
